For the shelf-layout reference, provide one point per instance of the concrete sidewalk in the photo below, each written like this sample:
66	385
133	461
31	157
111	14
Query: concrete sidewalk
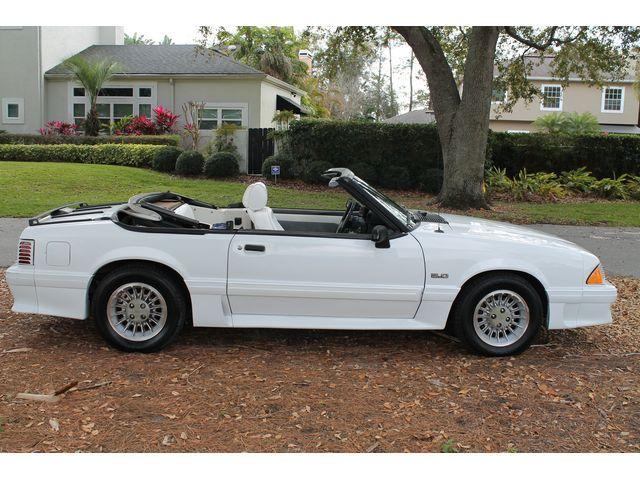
618	248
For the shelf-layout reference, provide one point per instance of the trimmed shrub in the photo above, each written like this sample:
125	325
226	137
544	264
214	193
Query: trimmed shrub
190	162
365	171
222	164
288	166
28	139
165	159
314	170
431	180
109	154
396	177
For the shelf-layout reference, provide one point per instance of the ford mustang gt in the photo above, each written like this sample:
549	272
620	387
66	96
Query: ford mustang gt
144	268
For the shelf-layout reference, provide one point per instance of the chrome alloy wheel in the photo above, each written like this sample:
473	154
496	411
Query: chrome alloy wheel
501	318
137	311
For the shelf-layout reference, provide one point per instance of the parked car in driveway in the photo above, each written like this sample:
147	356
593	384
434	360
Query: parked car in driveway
144	268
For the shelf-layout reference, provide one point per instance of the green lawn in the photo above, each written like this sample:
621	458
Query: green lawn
27	189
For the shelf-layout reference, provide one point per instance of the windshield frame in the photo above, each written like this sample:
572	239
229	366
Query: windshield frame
402	219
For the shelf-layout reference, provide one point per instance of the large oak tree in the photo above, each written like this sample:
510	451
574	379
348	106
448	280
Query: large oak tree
463	64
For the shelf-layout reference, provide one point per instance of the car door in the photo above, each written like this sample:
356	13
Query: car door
323	275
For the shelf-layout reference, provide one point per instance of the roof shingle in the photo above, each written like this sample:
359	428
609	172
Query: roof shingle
163	60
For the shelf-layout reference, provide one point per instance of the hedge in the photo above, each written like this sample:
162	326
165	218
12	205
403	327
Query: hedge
415	148
110	154
30	139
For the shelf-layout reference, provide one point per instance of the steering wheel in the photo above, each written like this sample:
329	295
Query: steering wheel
351	205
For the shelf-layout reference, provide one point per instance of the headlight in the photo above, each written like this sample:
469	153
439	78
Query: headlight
596	277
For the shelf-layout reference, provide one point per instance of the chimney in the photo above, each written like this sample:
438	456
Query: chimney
305	57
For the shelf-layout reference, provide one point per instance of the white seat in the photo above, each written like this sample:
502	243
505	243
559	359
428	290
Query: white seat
255	201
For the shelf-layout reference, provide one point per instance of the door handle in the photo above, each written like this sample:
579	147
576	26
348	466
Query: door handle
254	248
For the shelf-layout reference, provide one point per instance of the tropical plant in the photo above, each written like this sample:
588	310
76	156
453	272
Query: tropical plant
136	39
633	186
496	180
165	119
192	112
56	128
92	74
539	185
167	40
564	123
119	126
579	180
224	139
612	188
282	118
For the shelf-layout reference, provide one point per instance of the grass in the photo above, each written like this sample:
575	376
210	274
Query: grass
31	188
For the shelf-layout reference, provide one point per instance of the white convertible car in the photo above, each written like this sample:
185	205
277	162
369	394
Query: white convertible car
142	269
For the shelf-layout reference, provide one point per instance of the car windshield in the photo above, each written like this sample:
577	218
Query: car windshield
398	211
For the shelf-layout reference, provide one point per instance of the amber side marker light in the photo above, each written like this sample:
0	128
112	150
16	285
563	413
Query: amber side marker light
596	277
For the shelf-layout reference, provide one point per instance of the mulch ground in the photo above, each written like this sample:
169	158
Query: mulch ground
313	391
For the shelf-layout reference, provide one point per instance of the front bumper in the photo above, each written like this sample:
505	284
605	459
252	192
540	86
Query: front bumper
589	306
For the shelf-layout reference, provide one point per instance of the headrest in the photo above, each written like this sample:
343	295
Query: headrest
255	196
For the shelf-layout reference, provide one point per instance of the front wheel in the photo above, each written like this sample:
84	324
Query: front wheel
499	315
139	310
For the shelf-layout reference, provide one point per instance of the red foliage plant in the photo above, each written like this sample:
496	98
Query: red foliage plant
165	119
59	128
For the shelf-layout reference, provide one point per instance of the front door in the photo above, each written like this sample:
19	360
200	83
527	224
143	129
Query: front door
324	276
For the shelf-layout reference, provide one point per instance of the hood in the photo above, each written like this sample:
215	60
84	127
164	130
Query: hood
483	229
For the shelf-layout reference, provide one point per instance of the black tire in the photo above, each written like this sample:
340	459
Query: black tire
172	294
463	321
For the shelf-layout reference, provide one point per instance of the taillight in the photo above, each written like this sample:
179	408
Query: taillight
25	252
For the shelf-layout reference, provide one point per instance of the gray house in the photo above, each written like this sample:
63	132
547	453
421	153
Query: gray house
37	88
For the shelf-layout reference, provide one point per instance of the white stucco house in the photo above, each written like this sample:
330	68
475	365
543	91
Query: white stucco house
35	87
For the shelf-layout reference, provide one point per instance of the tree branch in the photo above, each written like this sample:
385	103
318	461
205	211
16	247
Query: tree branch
530	43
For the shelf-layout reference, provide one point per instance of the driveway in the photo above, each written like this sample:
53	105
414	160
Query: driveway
618	248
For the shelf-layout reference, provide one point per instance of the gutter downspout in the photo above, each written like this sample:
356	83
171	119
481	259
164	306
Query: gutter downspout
40	79
173	94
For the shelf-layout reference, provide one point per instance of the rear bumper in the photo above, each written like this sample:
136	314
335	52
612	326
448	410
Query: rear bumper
584	308
23	288
48	293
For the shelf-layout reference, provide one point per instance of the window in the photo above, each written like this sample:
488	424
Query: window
144	109
13	110
612	99
498	95
551	97
116	92
79	113
232	115
114	102
212	116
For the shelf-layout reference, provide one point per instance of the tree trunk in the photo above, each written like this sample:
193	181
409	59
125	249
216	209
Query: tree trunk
462	122
92	122
411	82
392	96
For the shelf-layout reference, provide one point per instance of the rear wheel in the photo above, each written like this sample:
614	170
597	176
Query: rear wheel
139	310
499	315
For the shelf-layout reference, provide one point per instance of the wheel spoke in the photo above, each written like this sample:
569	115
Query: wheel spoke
501	318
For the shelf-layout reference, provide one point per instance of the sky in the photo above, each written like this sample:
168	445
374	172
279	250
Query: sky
184	34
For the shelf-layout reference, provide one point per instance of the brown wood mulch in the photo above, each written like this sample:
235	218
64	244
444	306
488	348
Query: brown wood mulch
316	391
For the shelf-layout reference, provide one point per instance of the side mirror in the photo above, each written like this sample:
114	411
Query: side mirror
380	235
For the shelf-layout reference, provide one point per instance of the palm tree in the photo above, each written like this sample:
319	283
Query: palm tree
92	74
136	39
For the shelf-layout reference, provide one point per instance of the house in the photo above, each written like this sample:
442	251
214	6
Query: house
413	116
615	105
39	88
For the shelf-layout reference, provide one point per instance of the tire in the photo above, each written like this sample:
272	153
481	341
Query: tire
498	315
148	295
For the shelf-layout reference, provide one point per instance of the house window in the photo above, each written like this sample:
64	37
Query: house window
13	110
208	119
114	102
551	97
212	116
612	99
79	113
498	95
144	109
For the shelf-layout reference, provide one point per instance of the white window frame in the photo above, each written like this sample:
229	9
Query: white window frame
604	90
547	109
5	111
136	100
244	107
